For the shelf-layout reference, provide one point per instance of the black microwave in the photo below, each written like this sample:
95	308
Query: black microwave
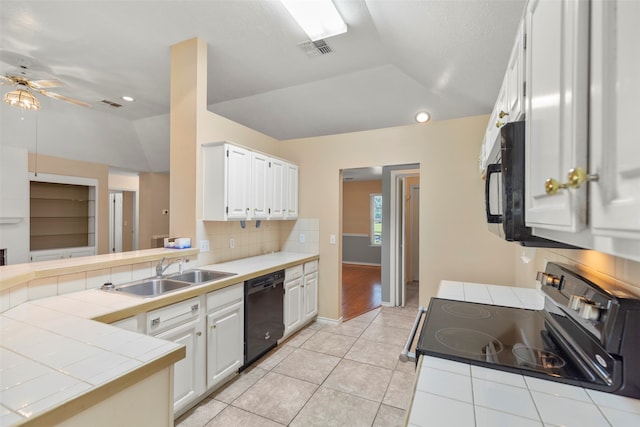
505	191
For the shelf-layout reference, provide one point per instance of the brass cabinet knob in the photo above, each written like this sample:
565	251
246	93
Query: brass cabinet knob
502	114
578	176
551	186
575	178
499	124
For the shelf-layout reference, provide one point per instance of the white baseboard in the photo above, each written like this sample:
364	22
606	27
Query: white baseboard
362	263
328	321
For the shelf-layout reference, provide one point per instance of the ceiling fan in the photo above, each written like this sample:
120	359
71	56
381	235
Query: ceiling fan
23	97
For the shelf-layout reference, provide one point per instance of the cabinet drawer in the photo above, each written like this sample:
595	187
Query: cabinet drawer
172	315
311	267
226	296
293	273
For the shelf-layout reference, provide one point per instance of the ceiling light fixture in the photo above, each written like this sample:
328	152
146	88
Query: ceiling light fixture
128	98
21	98
318	18
423	117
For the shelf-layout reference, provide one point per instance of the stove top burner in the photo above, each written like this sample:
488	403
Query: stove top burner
536	357
469	341
466	310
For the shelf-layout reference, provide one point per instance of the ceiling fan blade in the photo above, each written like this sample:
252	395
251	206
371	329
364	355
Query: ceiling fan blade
6	80
44	84
64	98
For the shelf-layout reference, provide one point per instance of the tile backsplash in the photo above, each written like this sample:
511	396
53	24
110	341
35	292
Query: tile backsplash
270	236
623	270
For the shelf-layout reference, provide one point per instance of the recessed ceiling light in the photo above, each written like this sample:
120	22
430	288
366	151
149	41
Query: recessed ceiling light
128	98
423	117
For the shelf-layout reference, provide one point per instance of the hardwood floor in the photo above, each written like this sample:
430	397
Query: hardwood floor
361	289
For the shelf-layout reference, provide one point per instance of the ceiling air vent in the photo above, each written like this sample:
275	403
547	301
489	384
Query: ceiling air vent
111	103
315	48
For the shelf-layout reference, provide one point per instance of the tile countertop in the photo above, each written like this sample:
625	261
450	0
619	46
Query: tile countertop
449	393
52	350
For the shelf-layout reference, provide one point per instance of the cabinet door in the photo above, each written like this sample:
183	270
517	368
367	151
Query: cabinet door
615	156
291	200
189	372
556	111
292	306
225	343
259	186
515	79
310	296
277	177
238	182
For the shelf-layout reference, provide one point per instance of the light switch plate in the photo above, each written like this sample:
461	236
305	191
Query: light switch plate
301	238
204	246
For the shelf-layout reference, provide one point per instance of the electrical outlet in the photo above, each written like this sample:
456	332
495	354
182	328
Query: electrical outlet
204	246
232	243
332	239
301	237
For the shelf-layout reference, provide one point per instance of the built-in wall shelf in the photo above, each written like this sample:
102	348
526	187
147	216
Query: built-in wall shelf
10	220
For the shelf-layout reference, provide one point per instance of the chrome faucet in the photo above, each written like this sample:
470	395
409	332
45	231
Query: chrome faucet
161	267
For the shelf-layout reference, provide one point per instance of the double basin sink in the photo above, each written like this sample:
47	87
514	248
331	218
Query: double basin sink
156	286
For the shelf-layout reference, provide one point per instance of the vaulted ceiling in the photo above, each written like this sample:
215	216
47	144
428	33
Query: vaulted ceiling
447	57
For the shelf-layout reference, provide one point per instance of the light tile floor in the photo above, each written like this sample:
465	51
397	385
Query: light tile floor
325	375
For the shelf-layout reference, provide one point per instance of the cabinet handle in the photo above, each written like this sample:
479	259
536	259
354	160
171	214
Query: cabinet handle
502	114
499	124
575	178
199	334
213	326
195	307
155	322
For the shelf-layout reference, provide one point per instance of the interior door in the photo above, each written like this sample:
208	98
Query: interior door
400	241
414	228
115	221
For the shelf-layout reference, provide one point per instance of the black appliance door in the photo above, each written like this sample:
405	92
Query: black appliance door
264	319
512	147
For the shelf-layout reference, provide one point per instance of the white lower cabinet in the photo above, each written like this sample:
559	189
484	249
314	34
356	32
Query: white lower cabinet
292	306
225	333
300	296
182	323
310	291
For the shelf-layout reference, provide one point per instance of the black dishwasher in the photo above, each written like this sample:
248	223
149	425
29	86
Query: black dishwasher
263	315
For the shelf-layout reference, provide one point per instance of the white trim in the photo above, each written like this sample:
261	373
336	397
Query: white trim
328	321
362	263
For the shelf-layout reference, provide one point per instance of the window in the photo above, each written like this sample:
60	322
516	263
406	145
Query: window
376	219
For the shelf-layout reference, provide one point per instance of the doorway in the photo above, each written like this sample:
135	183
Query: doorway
122	230
393	277
404	201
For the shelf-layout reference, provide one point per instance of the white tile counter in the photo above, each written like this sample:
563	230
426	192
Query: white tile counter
449	393
52	350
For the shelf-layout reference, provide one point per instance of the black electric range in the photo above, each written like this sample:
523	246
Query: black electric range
588	333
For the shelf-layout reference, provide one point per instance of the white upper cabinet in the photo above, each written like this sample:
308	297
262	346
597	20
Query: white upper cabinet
260	186
615	147
291	191
278	183
514	80
509	105
226	175
240	184
556	111
583	155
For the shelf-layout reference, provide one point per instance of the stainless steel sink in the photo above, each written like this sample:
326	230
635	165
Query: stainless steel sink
200	276
148	288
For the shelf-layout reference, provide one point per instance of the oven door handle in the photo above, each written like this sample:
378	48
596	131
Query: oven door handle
407	354
491	169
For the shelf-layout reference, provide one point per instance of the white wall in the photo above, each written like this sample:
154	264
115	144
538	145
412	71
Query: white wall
14	204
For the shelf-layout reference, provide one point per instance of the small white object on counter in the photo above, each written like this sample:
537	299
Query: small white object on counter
450	393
